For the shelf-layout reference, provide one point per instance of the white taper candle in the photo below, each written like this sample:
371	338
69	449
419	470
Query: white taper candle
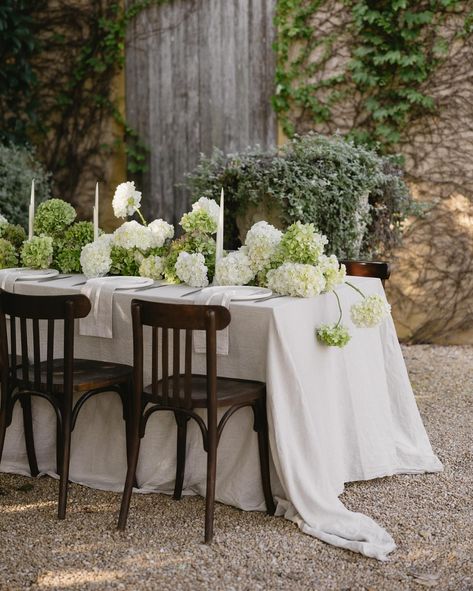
31	213
96	212
219	250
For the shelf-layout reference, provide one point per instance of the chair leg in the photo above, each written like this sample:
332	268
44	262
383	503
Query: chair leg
3	429
130	477
210	492
65	460
127	402
181	454
59	446
261	424
29	437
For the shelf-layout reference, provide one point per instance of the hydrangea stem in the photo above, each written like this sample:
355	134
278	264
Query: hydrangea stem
339	309
138	211
355	288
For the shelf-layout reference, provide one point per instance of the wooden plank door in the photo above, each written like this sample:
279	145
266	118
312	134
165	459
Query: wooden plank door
199	74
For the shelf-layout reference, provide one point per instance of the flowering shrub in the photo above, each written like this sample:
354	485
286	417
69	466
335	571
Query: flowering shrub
235	268
296	279
152	267
191	269
126	200
95	257
202	218
370	311
333	335
69	248
8	256
37	253
52	217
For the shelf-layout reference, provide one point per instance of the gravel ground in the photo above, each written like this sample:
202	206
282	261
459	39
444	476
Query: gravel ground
430	517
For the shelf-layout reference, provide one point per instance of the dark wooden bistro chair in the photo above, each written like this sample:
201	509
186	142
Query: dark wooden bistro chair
56	380
379	269
183	393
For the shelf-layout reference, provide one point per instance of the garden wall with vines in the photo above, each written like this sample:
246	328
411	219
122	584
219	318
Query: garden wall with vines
392	73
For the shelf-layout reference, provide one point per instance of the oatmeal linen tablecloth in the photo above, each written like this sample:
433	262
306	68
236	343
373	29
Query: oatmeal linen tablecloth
335	416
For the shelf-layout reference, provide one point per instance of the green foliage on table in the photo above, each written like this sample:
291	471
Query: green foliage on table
194	242
125	261
354	196
8	255
53	217
70	245
37	253
18	167
395	47
14	233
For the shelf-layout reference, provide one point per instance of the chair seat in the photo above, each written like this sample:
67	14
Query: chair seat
88	374
229	391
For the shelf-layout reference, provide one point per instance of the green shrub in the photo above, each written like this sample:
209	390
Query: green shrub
18	168
354	196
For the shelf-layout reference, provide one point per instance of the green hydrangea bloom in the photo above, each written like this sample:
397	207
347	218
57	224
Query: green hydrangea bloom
37	253
8	256
68	248
14	233
191	243
198	221
53	217
301	243
125	261
333	335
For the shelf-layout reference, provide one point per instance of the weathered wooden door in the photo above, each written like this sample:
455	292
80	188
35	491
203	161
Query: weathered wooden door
199	74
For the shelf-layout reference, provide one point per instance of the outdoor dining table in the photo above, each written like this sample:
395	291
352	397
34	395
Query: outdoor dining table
335	415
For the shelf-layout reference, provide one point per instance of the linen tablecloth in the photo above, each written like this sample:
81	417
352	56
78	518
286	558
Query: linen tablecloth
335	416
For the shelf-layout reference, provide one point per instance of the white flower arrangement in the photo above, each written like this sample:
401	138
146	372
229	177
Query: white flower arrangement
127	200
95	257
133	235
262	241
160	232
370	311
235	269
296	279
203	217
152	267
3	220
191	269
334	273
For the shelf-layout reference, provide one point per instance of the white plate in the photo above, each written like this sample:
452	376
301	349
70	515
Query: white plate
122	281
241	292
32	274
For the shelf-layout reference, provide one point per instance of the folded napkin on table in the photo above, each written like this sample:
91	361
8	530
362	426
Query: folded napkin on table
99	321
8	278
217	298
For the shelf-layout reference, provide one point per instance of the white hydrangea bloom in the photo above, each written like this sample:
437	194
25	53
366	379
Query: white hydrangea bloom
334	273
210	206
262	241
126	200
370	311
3	220
191	269
133	235
152	267
95	258
161	231
235	269
296	279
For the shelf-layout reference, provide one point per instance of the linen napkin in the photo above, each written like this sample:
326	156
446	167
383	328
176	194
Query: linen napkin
100	319
207	297
8	278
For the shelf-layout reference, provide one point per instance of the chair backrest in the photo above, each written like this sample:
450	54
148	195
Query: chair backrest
163	318
28	311
379	269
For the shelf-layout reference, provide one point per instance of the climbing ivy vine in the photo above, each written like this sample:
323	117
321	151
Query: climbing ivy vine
366	62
